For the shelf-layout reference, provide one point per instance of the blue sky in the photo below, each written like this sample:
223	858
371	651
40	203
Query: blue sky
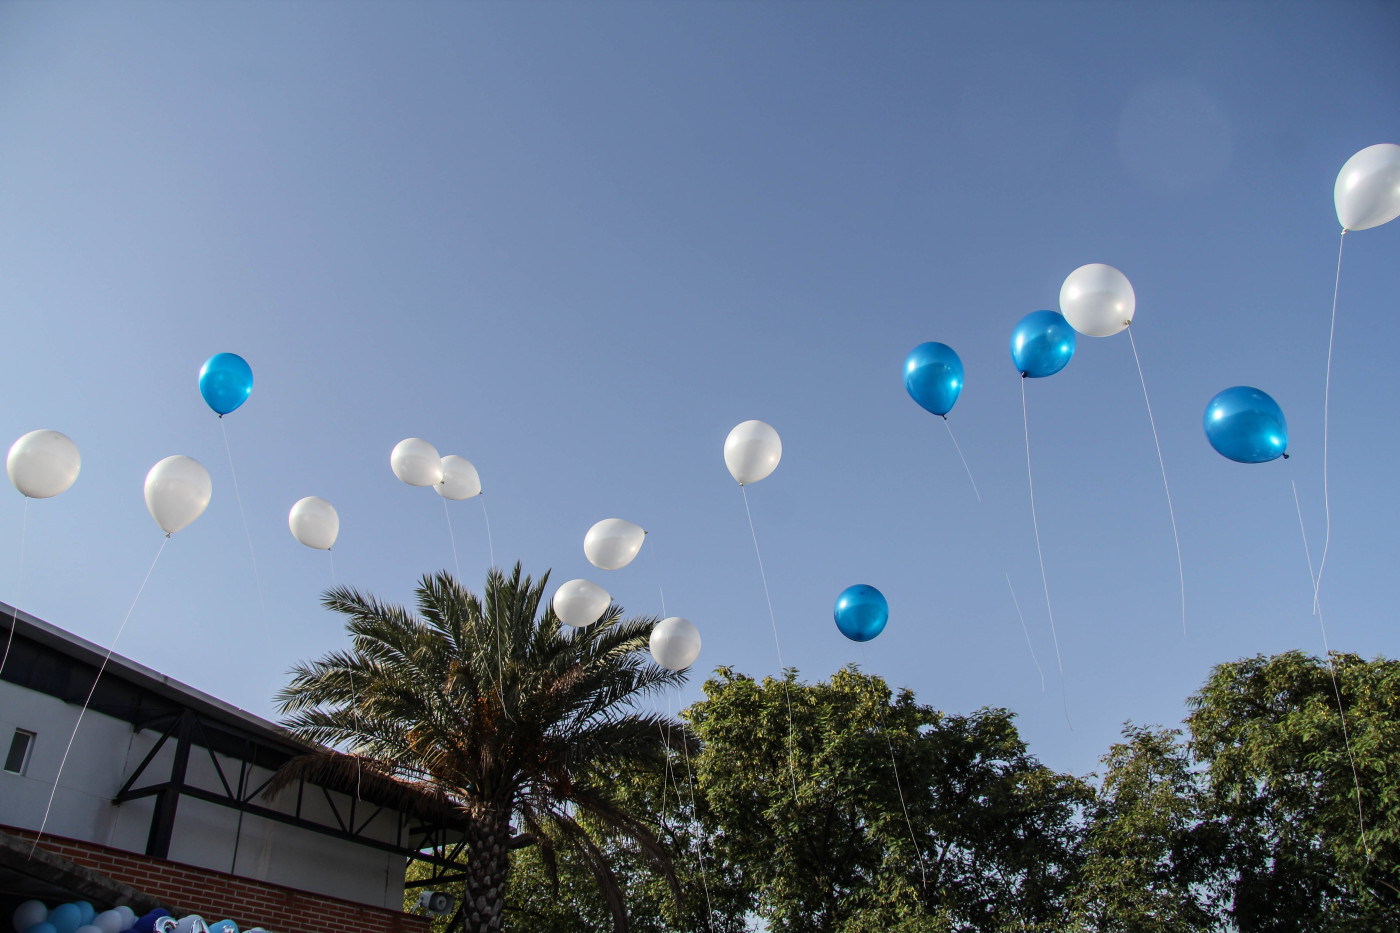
577	243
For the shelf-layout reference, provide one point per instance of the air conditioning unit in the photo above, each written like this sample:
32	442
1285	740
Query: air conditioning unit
436	902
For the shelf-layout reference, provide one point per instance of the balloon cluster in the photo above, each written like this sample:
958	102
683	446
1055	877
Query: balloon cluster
82	917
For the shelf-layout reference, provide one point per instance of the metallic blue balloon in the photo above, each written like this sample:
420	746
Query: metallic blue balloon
1042	344
1246	425
861	612
933	377
225	381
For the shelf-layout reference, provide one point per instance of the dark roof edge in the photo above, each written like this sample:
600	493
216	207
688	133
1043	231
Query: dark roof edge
147	679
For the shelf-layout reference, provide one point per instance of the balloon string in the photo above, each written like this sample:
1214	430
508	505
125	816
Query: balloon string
792	730
1045	582
257	579
695	815
452	535
354	696
1017	603
962	458
1332	666
898	786
19	585
43	823
1326	404
1181	572
490	546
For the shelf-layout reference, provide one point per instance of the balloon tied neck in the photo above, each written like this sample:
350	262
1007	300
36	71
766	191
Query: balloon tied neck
944	417
221	417
1285	456
1024	374
169	533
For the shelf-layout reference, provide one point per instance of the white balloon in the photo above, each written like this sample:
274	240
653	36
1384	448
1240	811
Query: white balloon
612	543
29	913
128	915
193	923
109	921
416	462
43	464
675	643
177	492
314	522
1367	193
1097	300
90	928
459	478
752	451
580	602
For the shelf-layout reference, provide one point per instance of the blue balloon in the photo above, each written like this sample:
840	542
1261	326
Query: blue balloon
147	922
1042	344
1246	425
65	918
223	926
933	377
861	612
225	381
87	912
42	928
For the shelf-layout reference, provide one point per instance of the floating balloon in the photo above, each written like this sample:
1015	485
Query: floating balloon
933	377
314	522
1367	193
1097	300
459	479
177	492
225	381
675	643
1246	425
580	603
861	612
43	464
1042	344
752	451
28	914
416	462
612	543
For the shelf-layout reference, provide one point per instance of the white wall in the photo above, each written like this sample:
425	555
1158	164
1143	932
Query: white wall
104	755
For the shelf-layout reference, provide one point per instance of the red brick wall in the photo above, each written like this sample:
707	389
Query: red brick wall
215	895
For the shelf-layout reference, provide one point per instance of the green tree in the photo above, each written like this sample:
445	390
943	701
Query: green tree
968	832
492	706
1271	731
1152	848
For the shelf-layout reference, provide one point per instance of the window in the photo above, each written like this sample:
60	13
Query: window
18	758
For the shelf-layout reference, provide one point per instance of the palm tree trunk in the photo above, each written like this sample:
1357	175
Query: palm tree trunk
488	859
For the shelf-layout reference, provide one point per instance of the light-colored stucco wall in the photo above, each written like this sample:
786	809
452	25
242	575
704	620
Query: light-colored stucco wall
104	754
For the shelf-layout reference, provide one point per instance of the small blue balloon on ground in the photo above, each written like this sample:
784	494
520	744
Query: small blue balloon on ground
1042	344
933	377
861	612
225	381
1246	425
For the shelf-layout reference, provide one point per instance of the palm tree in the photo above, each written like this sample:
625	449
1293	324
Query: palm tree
494	708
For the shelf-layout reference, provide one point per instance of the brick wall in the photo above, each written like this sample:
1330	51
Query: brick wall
216	895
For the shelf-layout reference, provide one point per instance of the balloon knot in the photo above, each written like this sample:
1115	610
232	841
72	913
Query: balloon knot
1285	456
944	417
169	533
1023	374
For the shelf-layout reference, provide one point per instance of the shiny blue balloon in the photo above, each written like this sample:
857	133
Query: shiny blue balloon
861	612
45	927
1042	344
1246	425
933	377
225	381
86	912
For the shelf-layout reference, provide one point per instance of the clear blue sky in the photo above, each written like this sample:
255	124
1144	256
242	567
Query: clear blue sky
577	243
